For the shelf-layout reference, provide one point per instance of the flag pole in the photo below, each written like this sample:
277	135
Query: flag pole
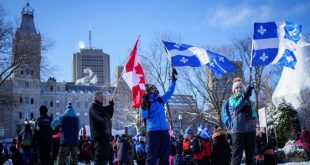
167	104
117	84
251	60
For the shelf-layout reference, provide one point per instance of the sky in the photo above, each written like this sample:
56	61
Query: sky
116	24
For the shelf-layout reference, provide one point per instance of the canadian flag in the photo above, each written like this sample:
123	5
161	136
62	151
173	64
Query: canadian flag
134	77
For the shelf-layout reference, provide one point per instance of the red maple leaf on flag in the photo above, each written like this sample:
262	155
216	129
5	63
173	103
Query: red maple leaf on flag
134	77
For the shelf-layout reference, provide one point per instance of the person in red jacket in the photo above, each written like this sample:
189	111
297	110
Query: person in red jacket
204	156
305	139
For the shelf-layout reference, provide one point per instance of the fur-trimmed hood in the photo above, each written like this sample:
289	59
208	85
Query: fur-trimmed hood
218	133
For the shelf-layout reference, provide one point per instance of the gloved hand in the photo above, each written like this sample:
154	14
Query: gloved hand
174	74
111	102
248	92
145	101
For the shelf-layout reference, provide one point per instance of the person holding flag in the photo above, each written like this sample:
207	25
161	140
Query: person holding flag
201	146
239	116
153	112
101	127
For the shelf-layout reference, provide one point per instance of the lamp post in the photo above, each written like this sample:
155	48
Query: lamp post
180	118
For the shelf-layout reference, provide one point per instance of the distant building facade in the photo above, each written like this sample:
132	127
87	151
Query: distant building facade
23	93
91	66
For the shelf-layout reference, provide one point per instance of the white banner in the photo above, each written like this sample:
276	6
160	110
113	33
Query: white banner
262	117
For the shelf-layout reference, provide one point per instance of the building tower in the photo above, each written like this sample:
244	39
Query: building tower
91	66
27	47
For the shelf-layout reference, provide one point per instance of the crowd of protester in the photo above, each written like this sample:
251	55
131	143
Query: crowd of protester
127	149
49	142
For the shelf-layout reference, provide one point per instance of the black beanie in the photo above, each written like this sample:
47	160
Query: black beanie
43	110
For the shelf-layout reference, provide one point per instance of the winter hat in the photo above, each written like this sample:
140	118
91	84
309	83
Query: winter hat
237	82
97	94
69	105
218	132
151	87
43	110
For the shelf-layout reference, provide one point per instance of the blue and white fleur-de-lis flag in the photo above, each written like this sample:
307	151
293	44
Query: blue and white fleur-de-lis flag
187	132
203	132
135	138
187	55
275	43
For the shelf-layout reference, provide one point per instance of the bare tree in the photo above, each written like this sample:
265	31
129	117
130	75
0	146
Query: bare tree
262	74
6	31
209	91
157	67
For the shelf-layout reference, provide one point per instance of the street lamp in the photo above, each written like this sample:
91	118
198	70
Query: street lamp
180	118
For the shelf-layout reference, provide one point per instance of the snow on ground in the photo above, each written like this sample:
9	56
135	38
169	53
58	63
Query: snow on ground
289	163
298	163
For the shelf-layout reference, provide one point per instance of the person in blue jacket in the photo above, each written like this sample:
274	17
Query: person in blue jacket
239	117
69	139
153	113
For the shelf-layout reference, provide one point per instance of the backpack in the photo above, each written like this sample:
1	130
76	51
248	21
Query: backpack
26	139
226	119
195	145
86	148
186	145
140	151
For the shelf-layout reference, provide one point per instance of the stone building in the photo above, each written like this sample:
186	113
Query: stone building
23	93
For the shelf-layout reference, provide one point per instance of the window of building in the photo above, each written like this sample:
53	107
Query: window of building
51	104
22	72
27	84
20	99
78	104
20	115
32	116
1	131
32	101
45	103
26	100
51	88
57	103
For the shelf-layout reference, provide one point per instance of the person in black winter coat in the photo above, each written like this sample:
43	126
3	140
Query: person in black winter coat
221	154
101	127
123	149
43	136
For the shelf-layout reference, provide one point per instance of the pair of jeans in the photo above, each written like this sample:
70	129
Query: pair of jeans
158	147
66	150
240	142
103	149
44	153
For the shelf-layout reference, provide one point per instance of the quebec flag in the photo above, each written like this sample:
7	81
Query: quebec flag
135	138
203	132
275	43
188	132
187	55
